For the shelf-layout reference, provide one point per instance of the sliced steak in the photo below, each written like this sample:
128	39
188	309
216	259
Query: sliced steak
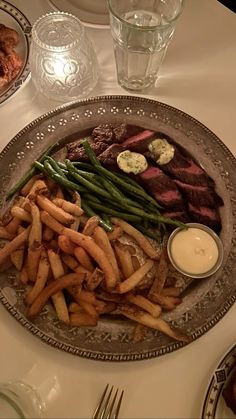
109	156
139	142
114	133
199	195
185	169
75	150
161	187
177	215
205	215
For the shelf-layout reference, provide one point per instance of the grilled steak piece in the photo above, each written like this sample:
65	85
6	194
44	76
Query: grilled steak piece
205	215
139	143
114	133
75	150
185	169
177	215
109	156
229	392
162	188
199	195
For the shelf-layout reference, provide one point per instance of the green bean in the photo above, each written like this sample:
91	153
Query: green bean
131	189
117	194
107	219
91	177
50	172
56	166
129	180
89	211
92	198
30	173
88	184
115	213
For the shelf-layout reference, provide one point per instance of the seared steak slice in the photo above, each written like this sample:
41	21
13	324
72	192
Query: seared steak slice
200	195
161	187
114	133
205	215
185	169
75	151
177	215
108	157
139	142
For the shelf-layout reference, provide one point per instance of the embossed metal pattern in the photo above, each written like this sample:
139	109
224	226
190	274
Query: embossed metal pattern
23	26
205	302
214	405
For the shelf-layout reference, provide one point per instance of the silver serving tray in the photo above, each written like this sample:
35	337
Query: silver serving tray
205	301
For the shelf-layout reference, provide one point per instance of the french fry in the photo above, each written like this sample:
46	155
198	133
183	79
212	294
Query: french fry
51	289
49	221
143	242
89	308
41	278
82	319
68	206
13	225
145	304
26	188
171	291
87	297
83	258
124	259
101	238
58	213
94	279
59	192
21	214
96	253
58	298
131	282
75	308
77	201
106	308
17	257
38	187
6	235
69	261
161	274
48	234
35	235
139	333
166	302
115	234
13	245
33	258
24	277
90	225
66	244
154	323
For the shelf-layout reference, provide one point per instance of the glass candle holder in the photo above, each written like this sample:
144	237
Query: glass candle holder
62	59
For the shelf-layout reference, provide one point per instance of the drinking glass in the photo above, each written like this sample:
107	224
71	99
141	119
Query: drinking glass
63	62
141	31
30	397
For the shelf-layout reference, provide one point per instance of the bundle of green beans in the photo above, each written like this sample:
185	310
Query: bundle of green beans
105	193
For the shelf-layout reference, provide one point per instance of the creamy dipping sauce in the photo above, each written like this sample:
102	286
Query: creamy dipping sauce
194	251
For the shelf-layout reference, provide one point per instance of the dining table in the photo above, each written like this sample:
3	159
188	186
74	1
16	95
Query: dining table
198	76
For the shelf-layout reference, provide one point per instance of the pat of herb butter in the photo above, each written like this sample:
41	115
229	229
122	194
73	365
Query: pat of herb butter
162	151
131	162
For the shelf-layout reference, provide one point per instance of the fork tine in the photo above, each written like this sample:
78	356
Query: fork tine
106	404
116	413
97	410
105	408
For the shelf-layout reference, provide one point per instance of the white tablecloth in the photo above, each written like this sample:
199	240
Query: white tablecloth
198	76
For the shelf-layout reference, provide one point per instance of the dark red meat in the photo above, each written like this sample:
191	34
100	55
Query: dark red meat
161	187
139	143
199	195
205	215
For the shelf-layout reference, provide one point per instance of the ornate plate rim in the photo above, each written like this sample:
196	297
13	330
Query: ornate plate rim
25	25
222	364
111	356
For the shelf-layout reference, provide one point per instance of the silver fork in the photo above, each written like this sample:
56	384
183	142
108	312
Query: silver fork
108	406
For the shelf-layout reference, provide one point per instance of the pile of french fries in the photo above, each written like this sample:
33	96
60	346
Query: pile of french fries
66	258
